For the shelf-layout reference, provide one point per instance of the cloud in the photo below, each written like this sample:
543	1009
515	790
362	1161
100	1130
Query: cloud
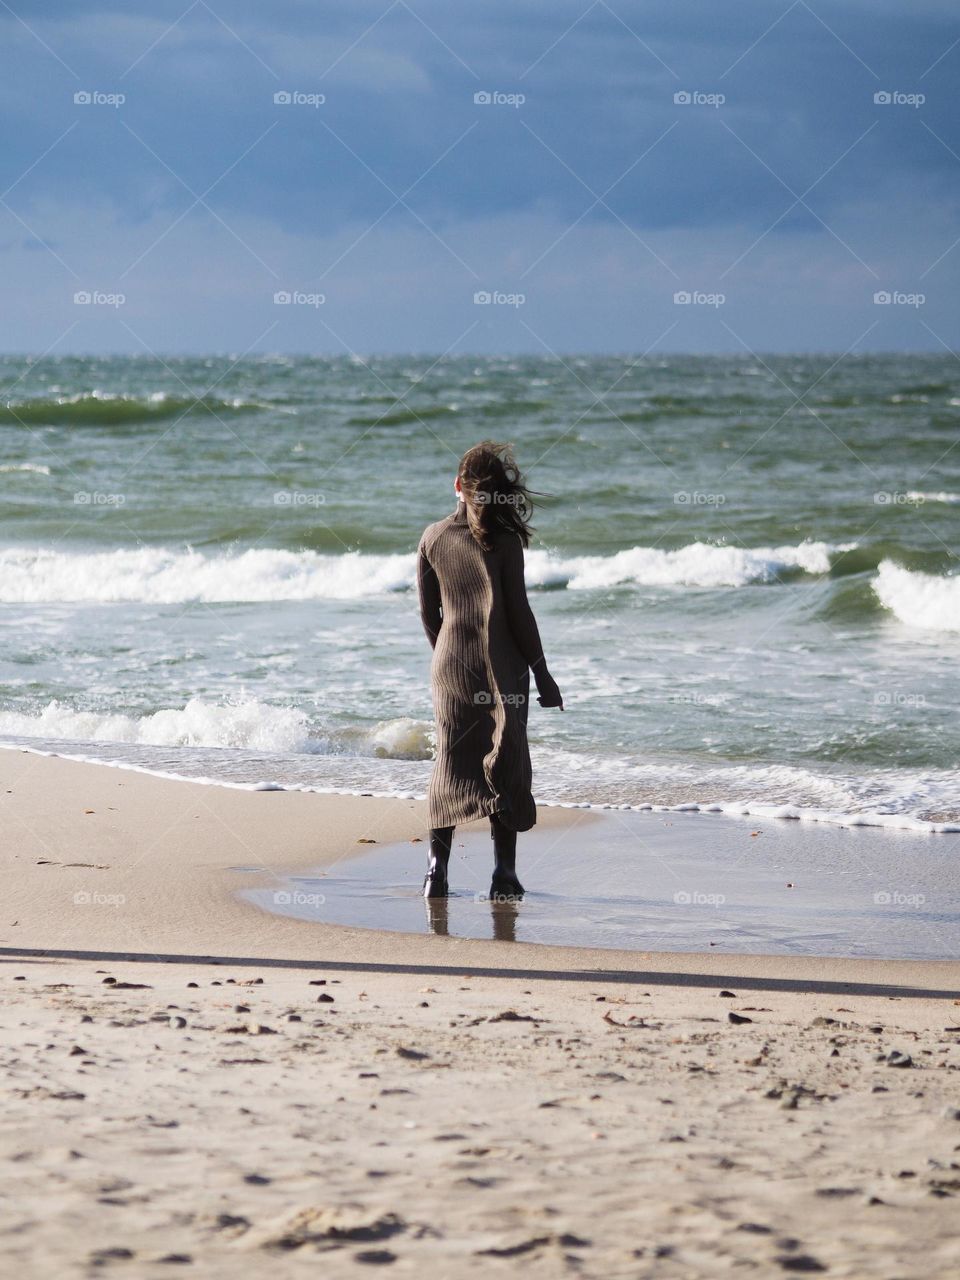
779	144
400	287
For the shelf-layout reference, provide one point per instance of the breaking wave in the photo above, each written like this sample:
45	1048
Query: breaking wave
158	575
98	408
919	599
248	725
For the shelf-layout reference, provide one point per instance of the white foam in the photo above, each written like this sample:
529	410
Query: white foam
160	575
895	799
402	739
919	599
796	812
38	468
245	724
736	809
255	725
698	565
800	813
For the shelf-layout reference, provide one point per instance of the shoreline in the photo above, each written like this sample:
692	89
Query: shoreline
756	811
120	862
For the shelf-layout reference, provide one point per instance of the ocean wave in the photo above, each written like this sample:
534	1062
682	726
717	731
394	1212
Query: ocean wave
698	565
405	415
38	468
655	411
98	408
401	739
921	389
919	599
901	799
158	575
908	804
802	813
511	408
244	725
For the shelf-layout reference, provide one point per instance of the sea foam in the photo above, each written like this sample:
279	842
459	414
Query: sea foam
698	565
159	575
247	724
156	575
919	599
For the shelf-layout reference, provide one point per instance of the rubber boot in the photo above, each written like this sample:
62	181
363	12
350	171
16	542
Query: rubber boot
504	886
435	881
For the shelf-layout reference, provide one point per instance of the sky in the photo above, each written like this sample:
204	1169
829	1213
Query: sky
489	177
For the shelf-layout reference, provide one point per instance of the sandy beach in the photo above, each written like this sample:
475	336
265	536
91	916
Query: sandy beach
191	1081
479	641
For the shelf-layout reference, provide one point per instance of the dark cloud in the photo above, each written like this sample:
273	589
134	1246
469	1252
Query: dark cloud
599	139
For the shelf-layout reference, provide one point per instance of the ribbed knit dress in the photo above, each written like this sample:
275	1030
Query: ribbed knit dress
474	609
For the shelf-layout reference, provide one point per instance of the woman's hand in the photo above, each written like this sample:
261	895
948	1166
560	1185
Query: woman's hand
550	695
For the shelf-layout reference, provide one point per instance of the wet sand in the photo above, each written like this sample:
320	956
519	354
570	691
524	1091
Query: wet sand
662	882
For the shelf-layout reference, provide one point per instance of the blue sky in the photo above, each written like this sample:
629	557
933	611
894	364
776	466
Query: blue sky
781	198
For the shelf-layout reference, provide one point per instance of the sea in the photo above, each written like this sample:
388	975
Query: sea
745	569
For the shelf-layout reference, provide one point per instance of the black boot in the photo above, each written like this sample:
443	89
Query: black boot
504	886
435	881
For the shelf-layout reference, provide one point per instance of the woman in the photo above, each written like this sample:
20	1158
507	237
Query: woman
474	608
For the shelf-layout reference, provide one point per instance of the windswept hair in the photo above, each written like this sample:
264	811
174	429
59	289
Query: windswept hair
498	500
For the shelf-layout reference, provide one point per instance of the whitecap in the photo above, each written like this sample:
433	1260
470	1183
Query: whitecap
919	599
162	575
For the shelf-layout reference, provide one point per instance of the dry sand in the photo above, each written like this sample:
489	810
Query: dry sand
341	1098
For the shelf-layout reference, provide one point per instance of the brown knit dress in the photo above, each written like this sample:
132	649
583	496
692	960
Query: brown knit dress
474	609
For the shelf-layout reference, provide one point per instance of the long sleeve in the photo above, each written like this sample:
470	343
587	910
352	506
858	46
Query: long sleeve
523	625
428	589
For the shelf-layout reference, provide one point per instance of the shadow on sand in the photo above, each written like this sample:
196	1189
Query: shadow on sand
635	977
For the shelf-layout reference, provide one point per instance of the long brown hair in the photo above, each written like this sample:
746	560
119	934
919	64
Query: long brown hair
497	498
